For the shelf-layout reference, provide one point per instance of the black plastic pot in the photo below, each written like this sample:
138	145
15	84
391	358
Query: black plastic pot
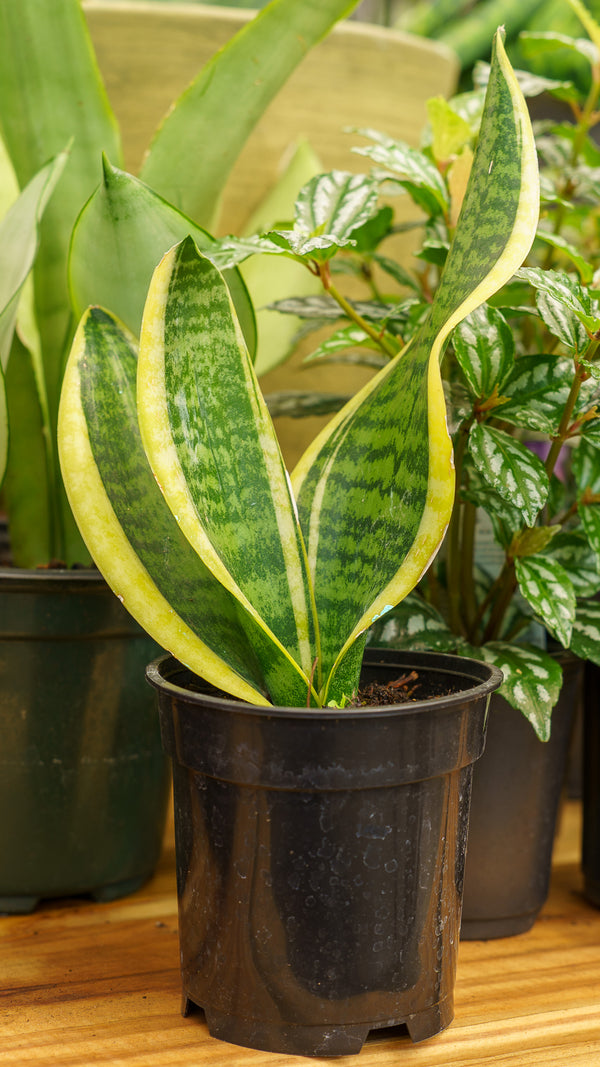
320	856
591	785
516	792
83	778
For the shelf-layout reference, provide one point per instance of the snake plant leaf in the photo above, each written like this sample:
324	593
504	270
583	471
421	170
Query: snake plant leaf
213	450
547	588
19	239
53	95
510	468
133	537
532	680
374	515
485	349
3	426
130	228
205	131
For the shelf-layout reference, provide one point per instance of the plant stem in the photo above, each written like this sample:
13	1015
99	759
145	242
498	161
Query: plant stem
453	540
375	335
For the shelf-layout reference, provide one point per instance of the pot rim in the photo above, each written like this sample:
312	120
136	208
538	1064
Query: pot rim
490	678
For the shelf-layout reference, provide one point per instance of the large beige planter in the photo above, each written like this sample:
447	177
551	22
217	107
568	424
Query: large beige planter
360	75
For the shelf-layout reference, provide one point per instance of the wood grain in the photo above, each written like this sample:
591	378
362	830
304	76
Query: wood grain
85	984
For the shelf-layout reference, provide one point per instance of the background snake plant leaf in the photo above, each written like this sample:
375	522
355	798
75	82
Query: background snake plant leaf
213	450
374	514
53	95
19	238
133	536
211	121
130	228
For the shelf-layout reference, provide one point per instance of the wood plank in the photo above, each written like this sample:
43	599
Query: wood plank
85	984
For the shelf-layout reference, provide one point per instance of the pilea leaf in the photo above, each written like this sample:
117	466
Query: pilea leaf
547	588
513	471
532	681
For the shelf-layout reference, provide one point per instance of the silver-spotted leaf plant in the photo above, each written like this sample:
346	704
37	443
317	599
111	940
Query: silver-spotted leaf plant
518	578
52	100
265	584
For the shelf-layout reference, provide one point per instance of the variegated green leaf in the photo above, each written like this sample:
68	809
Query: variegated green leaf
532	681
586	467
213	450
510	468
590	522
547	588
565	291
581	264
416	172
132	535
562	322
200	139
485	349
296	404
413	624
130	228
336	204
573	552
585	641
344	340
537	391
373	516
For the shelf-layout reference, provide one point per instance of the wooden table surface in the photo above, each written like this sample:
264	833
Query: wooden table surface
84	984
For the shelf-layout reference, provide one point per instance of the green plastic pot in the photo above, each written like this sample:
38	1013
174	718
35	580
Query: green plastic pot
83	781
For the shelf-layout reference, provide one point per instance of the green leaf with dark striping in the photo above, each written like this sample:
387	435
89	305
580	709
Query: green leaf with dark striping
131	533
213	450
375	490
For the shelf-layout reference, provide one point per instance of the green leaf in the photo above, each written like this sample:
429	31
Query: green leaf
341	341
418	175
19	241
450	131
548	43
537	390
200	139
223	477
296	404
413	624
590	522
547	588
268	279
513	471
134	538
336	205
586	468
53	95
484	348
566	292
130	228
585	641
372	517
583	266
573	552
532	681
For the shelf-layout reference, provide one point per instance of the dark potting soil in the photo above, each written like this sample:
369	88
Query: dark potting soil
408	687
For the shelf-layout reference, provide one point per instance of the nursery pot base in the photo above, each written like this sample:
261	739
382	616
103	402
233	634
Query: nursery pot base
24	905
320	855
318	1040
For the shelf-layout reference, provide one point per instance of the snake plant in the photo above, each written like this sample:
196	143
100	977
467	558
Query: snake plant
265	585
56	123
